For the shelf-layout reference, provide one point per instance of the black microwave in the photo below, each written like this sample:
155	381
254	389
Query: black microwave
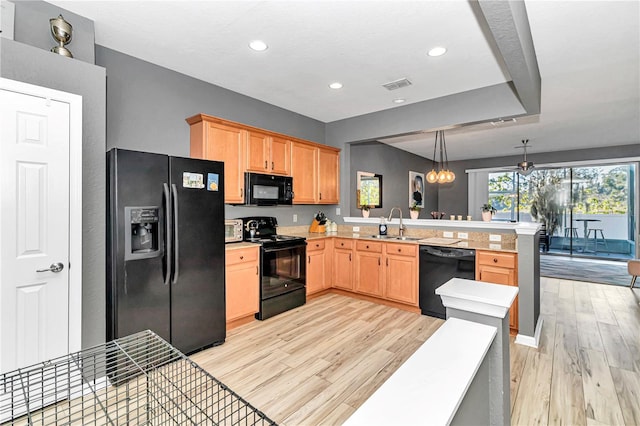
267	190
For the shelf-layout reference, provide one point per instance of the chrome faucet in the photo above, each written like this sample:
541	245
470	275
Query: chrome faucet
401	228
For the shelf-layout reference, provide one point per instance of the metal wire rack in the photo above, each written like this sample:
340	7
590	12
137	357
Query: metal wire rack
136	380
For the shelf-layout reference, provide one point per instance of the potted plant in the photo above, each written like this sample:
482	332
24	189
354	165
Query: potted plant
365	210
487	212
414	210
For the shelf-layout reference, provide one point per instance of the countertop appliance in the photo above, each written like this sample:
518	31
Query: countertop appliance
282	266
165	248
437	266
233	230
267	190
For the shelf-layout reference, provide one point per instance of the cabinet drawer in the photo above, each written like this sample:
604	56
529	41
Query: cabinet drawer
343	243
234	257
402	249
369	246
503	260
314	245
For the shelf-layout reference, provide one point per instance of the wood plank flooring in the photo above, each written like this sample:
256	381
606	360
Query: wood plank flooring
316	364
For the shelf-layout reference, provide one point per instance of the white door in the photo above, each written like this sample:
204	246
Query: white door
34	229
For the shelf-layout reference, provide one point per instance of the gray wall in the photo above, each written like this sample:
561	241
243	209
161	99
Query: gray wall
147	106
394	166
36	65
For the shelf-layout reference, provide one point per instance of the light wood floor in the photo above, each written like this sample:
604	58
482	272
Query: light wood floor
318	363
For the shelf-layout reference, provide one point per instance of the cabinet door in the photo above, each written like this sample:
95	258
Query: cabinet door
315	271
304	170
368	279
492	274
242	290
401	282
342	268
280	151
258	152
328	176
227	144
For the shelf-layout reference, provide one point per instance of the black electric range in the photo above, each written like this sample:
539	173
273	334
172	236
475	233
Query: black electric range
282	266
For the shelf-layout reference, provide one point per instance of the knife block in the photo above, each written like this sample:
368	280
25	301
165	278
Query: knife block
316	228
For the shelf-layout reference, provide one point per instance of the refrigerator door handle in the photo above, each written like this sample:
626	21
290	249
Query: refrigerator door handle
176	244
167	209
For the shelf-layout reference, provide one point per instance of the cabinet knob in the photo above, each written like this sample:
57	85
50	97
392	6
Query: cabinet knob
317	245
309	257
367	246
495	260
272	166
265	164
241	257
399	250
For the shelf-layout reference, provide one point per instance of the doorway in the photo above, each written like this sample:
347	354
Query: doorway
40	224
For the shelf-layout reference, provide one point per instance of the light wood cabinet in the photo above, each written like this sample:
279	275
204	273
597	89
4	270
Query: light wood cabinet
315	168
316	174
369	277
242	283
499	268
318	266
328	176
343	264
401	277
304	170
211	140
268	154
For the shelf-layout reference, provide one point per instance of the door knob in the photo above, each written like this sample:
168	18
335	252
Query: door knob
55	267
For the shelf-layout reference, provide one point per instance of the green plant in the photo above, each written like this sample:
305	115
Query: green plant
545	206
365	208
489	208
415	207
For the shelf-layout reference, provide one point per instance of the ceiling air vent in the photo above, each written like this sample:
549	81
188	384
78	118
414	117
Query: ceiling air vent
394	85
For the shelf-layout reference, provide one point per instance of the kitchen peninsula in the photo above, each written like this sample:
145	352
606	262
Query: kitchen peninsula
495	243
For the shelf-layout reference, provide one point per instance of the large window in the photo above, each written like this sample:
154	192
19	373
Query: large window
587	211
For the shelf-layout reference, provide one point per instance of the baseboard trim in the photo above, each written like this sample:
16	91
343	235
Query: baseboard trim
534	341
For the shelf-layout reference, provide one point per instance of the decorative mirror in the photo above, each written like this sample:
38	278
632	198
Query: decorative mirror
369	189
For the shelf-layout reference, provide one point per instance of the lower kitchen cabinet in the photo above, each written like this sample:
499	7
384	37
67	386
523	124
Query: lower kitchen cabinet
401	276
343	264
318	266
242	284
500	268
369	277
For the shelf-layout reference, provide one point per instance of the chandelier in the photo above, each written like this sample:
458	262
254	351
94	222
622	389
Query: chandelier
443	173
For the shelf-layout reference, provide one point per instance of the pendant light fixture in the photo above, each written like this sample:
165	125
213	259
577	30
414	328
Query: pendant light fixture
443	173
525	167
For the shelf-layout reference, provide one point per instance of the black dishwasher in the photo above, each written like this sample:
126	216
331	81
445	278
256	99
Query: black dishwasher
437	266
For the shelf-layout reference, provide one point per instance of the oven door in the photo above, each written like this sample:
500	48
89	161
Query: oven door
283	270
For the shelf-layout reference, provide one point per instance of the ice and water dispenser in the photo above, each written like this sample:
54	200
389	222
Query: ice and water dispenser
143	233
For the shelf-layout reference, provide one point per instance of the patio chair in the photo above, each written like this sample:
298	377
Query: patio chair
633	266
595	237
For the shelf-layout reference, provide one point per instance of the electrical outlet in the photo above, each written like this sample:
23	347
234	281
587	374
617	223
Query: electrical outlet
356	229
337	211
295	218
495	246
463	235
495	237
447	234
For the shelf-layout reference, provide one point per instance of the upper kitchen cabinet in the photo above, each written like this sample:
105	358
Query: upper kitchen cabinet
304	171
316	174
315	168
268	154
216	140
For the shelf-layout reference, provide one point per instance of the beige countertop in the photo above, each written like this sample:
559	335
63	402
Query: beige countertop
509	246
239	245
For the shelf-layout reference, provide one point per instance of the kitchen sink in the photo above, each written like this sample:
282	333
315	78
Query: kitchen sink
380	237
389	237
408	238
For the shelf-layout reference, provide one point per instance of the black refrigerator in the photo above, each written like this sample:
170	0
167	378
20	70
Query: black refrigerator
165	248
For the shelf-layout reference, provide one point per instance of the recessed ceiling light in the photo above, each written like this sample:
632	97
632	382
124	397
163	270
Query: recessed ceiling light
399	101
336	85
437	51
258	45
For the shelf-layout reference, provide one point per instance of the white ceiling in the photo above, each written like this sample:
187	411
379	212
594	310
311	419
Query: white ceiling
588	55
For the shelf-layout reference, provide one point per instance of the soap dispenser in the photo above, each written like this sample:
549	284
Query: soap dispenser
382	228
